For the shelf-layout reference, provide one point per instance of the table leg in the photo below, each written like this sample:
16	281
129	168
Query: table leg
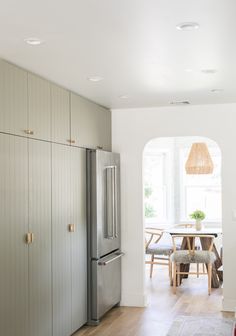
218	263
184	267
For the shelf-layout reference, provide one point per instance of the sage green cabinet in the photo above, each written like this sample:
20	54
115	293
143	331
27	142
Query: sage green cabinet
13	99
43	261
78	238
90	124
61	240
39	106
25	210
34	107
14	282
60	104
69	239
40	259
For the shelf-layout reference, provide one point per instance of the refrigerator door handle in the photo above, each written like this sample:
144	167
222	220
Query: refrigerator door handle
117	256
111	202
115	201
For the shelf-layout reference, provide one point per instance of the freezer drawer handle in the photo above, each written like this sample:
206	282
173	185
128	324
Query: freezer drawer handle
104	263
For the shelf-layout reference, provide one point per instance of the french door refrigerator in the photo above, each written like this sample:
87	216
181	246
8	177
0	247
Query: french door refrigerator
104	254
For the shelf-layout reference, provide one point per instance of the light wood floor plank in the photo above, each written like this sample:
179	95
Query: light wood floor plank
192	299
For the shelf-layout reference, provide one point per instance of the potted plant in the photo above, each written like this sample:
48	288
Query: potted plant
198	215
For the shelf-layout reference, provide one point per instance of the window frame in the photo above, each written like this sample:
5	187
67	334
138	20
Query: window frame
165	154
183	216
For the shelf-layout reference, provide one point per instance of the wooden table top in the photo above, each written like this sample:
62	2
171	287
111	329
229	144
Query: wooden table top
192	231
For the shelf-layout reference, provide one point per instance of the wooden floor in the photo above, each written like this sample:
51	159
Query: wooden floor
155	320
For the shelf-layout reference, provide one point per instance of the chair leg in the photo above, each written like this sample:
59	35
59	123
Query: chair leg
197	270
170	270
178	275
203	268
174	278
209	278
151	267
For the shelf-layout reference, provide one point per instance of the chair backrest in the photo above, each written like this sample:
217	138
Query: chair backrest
152	235
185	225
191	239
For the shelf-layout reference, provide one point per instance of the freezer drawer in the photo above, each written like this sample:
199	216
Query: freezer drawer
106	284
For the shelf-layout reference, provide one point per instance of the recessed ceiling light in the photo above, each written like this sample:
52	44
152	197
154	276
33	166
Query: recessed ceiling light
216	90
180	102
123	97
33	41
187	26
95	78
209	71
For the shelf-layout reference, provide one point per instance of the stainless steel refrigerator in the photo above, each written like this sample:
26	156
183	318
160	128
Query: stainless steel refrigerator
104	254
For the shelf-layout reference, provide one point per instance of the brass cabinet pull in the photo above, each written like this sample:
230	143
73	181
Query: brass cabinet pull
71	141
99	147
71	227
32	237
29	132
29	238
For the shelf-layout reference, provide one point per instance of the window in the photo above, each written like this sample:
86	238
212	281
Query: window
170	195
201	191
155	193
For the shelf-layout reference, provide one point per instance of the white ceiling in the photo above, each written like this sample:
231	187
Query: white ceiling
133	44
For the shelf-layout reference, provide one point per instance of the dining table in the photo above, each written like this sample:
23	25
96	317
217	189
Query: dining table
217	275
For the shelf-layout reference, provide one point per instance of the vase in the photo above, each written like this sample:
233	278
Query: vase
198	225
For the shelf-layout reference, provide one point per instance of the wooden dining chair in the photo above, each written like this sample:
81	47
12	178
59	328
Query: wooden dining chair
160	253
192	256
185	225
197	246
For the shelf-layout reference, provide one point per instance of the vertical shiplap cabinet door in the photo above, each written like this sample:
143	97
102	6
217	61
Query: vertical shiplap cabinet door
60	100
78	238
90	124
13	99
61	240
39	101
103	124
40	263
13	228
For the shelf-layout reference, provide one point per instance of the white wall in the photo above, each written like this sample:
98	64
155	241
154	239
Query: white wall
132	129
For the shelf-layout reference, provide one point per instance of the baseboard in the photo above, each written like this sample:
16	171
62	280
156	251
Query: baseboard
133	300
229	305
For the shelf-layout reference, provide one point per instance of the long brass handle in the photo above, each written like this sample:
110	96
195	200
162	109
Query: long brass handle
32	237
71	227
29	132
71	141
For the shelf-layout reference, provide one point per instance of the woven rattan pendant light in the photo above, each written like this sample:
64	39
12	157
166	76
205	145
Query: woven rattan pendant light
199	160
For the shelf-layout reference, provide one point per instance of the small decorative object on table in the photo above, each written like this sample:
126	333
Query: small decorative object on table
198	215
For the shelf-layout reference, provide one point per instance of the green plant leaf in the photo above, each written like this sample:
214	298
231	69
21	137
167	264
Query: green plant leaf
198	215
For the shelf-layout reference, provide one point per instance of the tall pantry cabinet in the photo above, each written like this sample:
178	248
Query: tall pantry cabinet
42	238
44	133
69	239
14	262
25	237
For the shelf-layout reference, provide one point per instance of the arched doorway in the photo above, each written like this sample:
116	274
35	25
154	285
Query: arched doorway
170	195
